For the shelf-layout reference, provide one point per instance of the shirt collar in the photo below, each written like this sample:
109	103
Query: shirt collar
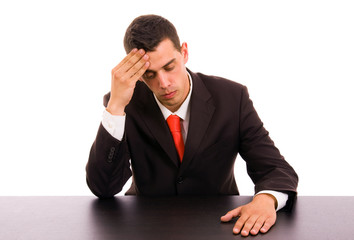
182	112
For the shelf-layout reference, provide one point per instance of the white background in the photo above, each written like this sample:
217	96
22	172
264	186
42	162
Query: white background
296	57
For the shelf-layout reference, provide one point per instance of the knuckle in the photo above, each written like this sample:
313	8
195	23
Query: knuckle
114	72
135	68
239	224
132	61
269	223
258	225
117	75
248	225
139	69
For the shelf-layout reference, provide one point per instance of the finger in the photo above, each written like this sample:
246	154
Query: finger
231	214
138	75
132	52
130	62
257	226
248	225
240	224
131	75
267	225
139	68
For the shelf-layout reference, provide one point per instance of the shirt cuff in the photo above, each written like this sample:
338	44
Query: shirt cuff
279	196
113	124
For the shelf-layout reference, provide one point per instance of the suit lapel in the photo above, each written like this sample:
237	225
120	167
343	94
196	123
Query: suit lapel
201	113
155	122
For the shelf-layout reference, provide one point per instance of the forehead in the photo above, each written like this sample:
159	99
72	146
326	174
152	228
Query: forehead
164	53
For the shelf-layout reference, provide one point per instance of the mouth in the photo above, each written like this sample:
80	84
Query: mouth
169	95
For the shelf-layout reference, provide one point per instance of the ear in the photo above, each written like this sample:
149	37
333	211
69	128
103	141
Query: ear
184	52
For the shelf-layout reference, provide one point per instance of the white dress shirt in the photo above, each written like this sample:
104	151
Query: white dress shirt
115	126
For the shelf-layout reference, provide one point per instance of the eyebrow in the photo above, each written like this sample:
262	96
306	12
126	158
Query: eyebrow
152	71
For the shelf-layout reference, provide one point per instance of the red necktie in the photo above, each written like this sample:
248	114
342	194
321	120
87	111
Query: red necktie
174	124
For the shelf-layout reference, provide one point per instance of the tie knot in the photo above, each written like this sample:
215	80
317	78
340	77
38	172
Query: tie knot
174	124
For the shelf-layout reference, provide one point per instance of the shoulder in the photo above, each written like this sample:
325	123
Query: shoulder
211	80
218	85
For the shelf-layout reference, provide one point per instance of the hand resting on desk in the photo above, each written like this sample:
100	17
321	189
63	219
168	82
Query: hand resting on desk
258	215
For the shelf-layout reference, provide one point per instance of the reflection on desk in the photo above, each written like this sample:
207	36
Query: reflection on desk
130	217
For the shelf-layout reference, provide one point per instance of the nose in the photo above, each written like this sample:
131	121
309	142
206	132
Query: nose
163	80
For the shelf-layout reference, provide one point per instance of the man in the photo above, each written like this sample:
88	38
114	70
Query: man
217	121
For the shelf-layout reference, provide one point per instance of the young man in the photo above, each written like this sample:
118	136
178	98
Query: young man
217	121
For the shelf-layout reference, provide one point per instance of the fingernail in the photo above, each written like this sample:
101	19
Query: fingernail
236	230
141	51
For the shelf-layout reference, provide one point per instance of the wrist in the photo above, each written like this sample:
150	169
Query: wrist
269	197
115	110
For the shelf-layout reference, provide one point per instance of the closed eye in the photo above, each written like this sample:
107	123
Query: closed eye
149	75
169	68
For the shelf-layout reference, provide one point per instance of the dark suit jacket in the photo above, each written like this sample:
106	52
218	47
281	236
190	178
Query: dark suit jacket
223	123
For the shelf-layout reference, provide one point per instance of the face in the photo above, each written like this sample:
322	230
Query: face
167	75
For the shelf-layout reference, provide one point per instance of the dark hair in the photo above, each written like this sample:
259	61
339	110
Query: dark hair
147	31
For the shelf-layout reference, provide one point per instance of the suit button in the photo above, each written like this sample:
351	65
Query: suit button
180	180
111	154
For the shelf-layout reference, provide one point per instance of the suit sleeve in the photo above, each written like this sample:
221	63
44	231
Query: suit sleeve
265	165
108	167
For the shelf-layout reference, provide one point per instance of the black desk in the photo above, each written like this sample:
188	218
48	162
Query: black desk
165	218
